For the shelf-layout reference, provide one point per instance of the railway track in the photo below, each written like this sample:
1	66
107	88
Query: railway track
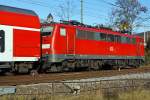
42	78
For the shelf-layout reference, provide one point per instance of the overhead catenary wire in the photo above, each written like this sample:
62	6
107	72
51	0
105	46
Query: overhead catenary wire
86	6
39	3
34	3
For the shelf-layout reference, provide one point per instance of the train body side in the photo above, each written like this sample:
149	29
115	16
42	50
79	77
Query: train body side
21	40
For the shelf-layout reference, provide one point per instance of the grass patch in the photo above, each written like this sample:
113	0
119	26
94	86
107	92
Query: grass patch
132	95
85	96
135	95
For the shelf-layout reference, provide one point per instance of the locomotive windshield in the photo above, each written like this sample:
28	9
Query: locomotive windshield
47	30
2	41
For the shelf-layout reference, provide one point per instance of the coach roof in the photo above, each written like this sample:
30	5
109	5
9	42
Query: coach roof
17	10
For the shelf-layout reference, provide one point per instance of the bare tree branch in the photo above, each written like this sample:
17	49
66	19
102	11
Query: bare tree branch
127	15
65	10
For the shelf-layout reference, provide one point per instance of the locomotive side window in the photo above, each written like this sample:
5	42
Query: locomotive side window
118	38
124	39
97	36
62	31
103	36
110	38
81	34
133	41
128	40
2	41
90	35
47	30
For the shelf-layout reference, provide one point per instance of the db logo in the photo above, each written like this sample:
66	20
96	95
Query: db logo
111	48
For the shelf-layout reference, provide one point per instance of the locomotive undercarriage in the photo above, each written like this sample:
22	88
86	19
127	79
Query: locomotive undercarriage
78	65
68	65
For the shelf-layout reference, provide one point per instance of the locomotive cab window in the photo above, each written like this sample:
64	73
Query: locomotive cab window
47	30
2	41
62	31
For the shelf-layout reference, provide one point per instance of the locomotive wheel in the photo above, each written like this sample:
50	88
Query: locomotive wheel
54	68
94	66
59	68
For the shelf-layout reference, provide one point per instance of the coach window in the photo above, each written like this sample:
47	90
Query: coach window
46	30
2	41
62	31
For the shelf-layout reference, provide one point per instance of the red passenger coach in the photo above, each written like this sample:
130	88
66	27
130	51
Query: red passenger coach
19	38
70	46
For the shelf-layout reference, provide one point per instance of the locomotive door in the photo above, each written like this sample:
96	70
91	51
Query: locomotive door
138	47
70	41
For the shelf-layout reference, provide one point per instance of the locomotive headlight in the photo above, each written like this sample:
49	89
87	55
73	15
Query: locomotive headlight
111	48
46	46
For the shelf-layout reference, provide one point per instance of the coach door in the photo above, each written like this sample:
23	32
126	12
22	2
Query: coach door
70	41
6	43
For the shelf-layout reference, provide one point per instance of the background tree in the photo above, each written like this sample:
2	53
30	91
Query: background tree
65	9
125	16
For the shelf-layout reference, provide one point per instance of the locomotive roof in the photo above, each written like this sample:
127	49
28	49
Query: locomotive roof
17	10
93	29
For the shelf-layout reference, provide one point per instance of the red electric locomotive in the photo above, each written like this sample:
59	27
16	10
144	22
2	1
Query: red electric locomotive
27	45
69	46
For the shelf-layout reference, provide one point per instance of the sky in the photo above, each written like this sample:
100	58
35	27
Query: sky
94	11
